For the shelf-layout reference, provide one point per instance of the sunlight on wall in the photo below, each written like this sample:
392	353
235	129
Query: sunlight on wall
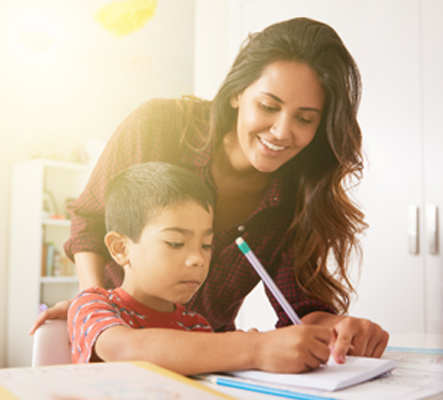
65	80
64	70
33	37
36	56
33	28
123	18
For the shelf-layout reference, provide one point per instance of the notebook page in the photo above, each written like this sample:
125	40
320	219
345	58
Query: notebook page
331	376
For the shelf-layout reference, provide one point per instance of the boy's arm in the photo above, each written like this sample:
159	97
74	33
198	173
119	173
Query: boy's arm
290	349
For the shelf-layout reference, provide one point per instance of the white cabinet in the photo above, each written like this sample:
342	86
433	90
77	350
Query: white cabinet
40	191
398	45
432	106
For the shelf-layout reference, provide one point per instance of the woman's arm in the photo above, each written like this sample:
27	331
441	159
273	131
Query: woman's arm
128	145
290	349
90	269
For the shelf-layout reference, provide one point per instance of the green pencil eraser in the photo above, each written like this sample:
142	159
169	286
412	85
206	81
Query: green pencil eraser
242	245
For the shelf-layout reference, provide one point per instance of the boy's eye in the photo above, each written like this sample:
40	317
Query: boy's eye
175	245
207	246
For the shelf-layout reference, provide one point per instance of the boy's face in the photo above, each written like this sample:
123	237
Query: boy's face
171	259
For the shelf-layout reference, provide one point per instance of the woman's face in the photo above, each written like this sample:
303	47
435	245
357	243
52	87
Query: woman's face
278	116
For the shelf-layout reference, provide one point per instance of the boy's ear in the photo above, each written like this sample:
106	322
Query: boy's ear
117	245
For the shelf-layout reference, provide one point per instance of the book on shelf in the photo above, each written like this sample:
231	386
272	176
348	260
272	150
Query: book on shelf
54	262
47	258
50	259
44	257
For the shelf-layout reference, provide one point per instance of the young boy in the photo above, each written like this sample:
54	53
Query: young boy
159	220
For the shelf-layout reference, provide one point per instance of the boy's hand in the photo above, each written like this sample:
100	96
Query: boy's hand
293	349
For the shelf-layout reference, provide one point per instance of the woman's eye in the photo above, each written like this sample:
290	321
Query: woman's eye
304	121
268	108
175	245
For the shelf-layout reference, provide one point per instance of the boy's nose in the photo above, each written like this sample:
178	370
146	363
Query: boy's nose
195	259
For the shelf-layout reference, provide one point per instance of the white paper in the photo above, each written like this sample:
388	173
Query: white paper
330	377
419	359
418	375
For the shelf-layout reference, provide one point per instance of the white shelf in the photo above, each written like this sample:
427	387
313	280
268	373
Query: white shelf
56	222
30	227
63	164
58	279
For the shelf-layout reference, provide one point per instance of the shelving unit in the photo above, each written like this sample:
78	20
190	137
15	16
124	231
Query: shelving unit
56	222
58	279
40	191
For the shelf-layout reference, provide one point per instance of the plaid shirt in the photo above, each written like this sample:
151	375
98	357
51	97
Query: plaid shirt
152	133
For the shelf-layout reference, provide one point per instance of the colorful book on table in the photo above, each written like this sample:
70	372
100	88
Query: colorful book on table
119	380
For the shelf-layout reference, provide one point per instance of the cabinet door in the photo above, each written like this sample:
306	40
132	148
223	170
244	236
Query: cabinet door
384	38
433	161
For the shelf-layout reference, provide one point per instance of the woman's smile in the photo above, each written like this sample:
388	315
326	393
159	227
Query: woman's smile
278	116
270	145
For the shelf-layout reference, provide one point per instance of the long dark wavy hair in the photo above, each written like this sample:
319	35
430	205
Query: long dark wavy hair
326	221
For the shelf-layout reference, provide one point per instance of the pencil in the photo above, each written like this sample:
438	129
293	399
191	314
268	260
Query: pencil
270	284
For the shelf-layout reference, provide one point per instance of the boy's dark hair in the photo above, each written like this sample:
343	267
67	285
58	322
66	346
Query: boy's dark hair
141	192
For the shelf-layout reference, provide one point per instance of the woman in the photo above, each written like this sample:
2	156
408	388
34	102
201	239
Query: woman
277	145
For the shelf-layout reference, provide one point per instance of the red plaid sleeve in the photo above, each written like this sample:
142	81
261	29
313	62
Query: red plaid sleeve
148	134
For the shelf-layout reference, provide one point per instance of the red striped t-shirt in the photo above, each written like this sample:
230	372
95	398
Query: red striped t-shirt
97	309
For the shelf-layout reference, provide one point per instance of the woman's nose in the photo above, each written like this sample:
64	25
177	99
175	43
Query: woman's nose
281	129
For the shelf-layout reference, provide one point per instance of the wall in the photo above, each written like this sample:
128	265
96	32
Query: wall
65	79
211	57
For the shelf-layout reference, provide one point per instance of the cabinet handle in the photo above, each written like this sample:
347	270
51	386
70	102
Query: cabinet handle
432	228
413	229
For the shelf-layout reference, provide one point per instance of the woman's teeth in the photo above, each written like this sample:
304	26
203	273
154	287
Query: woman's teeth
271	146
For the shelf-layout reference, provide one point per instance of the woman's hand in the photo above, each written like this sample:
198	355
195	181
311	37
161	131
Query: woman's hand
59	311
90	271
351	336
357	337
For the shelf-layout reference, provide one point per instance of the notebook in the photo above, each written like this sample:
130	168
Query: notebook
329	377
119	380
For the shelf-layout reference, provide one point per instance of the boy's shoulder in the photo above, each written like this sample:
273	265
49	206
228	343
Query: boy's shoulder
93	295
94	290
